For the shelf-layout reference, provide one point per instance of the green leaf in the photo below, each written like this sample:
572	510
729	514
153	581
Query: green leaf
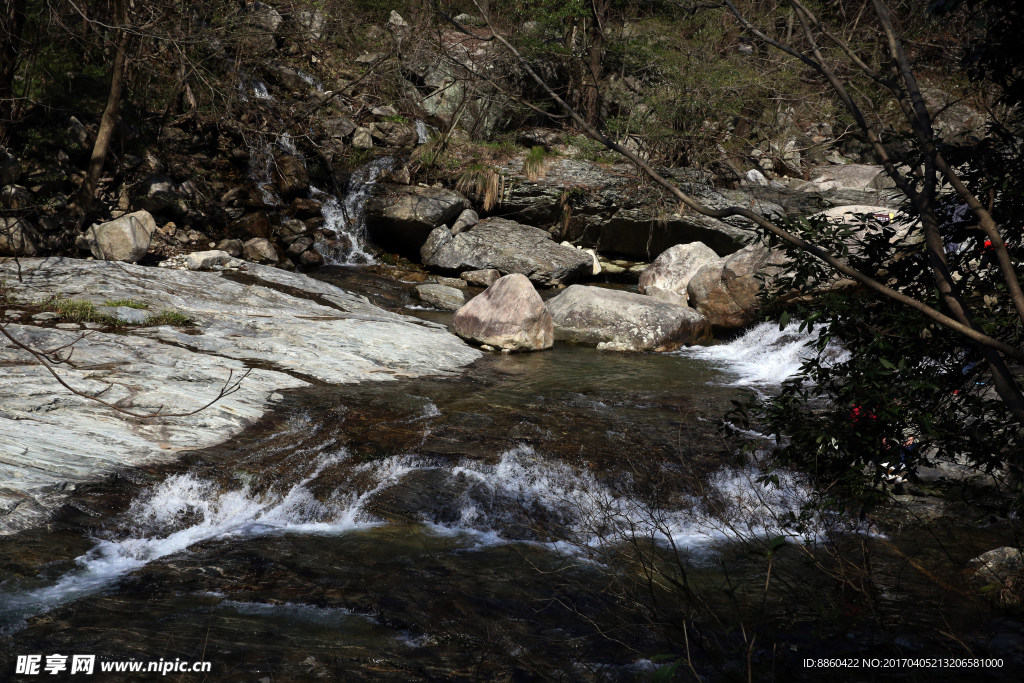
665	673
777	543
886	364
783	321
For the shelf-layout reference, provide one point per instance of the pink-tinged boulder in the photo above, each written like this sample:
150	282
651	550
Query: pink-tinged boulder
509	315
725	292
672	270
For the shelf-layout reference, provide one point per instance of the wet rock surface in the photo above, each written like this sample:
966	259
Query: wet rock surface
725	292
292	329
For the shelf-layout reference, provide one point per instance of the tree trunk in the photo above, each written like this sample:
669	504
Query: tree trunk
12	24
85	197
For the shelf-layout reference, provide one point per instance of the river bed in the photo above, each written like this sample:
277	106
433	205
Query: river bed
459	528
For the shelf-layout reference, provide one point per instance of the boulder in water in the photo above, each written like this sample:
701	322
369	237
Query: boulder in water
508	247
441	296
401	217
674	267
623	321
725	291
124	239
509	315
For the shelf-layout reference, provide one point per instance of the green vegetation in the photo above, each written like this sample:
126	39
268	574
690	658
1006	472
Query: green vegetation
130	303
168	317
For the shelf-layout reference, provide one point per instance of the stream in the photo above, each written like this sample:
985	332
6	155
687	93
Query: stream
467	528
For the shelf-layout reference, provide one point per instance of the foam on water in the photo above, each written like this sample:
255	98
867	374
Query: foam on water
764	355
522	497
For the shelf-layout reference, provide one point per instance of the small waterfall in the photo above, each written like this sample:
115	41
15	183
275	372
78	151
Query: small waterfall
764	355
312	80
261	165
421	131
347	217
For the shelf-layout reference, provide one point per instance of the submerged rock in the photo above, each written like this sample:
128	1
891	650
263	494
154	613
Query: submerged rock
509	247
725	292
623	321
441	296
509	315
58	439
674	268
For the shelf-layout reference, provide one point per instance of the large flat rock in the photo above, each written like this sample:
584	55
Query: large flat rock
508	247
296	330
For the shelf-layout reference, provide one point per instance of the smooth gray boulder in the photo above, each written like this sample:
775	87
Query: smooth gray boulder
361	138
292	330
18	238
124	239
508	247
509	315
481	278
394	134
338	126
726	292
259	250
623	321
441	296
674	267
205	260
847	177
667	295
466	220
399	218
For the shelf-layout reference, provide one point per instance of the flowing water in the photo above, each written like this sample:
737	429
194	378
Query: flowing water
347	217
453	529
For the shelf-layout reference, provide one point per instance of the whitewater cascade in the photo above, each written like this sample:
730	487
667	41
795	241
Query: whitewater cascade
347	217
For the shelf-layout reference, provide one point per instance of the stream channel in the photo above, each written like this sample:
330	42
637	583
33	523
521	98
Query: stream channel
472	528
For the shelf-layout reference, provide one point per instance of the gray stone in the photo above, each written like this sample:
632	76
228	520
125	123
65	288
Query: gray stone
233	247
362	139
466	220
259	250
125	314
310	24
441	296
623	321
386	110
291	230
206	260
996	566
311	258
509	315
451	282
846	177
18	238
45	316
285	76
401	217
394	134
124	239
726	292
15	197
68	326
258	29
290	176
10	168
338	126
508	247
322	335
674	267
481	278
668	295
155	194
298	246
